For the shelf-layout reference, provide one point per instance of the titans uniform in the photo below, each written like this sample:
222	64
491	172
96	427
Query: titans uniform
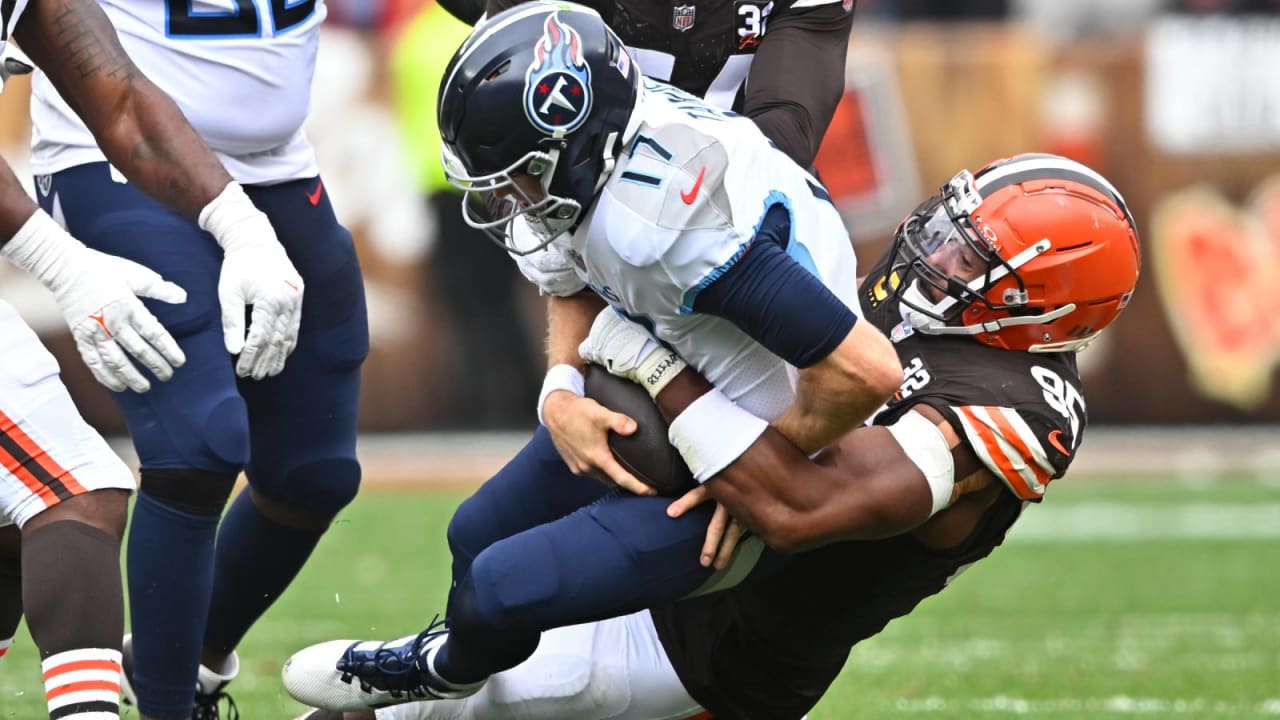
241	72
242	78
771	650
682	205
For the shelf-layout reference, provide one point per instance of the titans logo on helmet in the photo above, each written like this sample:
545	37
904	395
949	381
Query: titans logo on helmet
557	86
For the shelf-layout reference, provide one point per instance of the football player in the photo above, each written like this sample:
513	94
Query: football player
679	215
243	77
989	291
61	485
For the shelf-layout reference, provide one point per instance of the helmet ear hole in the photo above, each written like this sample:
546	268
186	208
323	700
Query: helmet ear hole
498	71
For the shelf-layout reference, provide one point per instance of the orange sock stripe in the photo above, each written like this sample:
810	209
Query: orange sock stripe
83	687
107	665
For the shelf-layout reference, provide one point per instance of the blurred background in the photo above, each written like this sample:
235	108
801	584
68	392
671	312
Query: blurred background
1177	101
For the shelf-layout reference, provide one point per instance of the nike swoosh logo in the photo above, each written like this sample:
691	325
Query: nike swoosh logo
314	196
1056	442
692	193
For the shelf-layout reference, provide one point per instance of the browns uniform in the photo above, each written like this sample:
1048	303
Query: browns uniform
1023	415
732	52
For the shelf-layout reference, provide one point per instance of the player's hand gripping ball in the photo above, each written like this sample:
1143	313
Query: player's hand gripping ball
646	453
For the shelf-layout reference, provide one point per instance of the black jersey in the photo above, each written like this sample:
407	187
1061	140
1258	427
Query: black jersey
769	650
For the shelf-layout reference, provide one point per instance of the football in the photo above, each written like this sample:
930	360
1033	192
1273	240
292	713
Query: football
646	453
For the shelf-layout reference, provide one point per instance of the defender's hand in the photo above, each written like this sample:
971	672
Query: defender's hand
98	294
580	428
627	350
255	271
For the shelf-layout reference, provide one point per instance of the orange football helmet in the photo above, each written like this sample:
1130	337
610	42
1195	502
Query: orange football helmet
1060	249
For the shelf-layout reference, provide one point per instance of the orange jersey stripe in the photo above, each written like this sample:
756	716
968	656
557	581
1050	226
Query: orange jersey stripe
75	665
1009	433
995	452
83	687
38	454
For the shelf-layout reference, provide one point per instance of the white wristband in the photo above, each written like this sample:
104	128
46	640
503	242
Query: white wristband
561	377
713	432
926	446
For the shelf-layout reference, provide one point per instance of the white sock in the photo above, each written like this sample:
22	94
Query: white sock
83	684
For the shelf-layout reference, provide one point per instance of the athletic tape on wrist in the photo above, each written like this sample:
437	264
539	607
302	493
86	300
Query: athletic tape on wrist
658	369
713	432
560	377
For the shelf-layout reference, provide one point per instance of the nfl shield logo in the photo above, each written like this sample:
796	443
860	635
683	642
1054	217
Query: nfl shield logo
682	17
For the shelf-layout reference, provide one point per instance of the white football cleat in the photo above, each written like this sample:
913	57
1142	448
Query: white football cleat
350	675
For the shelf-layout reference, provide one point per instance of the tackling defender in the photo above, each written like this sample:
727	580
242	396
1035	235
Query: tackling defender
989	291
63	492
679	215
243	77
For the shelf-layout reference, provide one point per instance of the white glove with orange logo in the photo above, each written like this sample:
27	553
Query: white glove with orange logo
255	271
98	294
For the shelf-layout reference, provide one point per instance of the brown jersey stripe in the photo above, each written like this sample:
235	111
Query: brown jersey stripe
84	708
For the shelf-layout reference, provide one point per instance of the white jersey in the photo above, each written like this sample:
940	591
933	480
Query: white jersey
682	204
240	70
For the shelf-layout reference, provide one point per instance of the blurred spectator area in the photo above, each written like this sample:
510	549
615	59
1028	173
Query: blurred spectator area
1180	109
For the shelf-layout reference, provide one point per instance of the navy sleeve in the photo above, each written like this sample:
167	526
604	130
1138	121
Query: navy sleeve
776	301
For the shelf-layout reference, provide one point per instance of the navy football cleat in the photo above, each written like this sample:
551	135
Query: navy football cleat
349	675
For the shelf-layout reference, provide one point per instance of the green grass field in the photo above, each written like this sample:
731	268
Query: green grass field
1115	599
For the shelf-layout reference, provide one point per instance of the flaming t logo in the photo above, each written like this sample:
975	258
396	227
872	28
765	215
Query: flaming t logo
557	86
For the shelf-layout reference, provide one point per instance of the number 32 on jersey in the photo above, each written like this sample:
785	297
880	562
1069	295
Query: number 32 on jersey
208	19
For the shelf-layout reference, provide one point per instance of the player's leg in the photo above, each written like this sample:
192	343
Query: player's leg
303	467
191	433
613	557
533	488
10	584
614	669
68	492
616	556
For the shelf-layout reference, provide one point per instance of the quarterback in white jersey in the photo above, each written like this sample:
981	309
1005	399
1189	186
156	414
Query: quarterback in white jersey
682	218
241	70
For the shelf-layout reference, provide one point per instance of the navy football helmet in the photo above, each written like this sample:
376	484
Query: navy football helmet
533	110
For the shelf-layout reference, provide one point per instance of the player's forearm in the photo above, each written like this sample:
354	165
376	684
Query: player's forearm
140	130
795	109
794	503
841	391
568	323
151	142
16	206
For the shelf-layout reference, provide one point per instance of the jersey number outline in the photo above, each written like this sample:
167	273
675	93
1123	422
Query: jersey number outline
1061	396
182	20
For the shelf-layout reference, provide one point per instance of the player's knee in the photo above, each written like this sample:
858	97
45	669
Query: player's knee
199	492
505	591
319	488
471	529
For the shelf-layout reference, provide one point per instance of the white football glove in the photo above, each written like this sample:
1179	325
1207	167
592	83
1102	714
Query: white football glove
255	271
98	294
627	350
